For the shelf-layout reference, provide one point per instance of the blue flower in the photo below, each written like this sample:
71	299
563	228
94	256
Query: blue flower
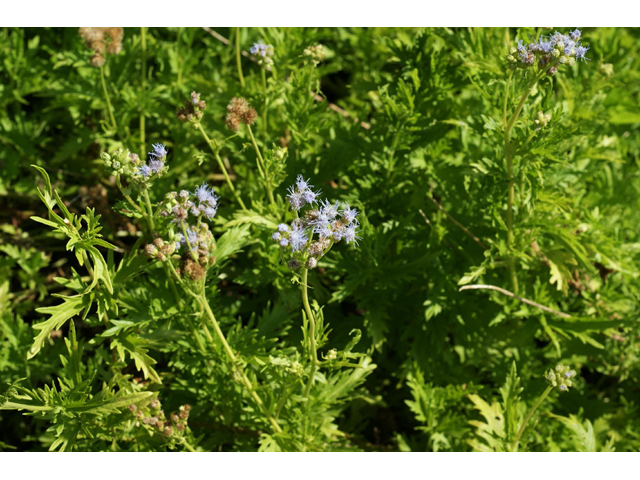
192	236
296	200
159	151
210	212
575	34
276	236
302	184
580	52
257	47
298	240
310	196
349	214
329	210
284	242
144	170
156	166
283	227
350	232
206	195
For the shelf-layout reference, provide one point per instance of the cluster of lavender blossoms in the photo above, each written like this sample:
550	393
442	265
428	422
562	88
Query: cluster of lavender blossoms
123	162
549	52
193	237
561	377
156	162
263	52
326	220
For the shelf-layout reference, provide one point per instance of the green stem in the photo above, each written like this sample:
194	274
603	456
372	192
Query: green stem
528	417
129	199
143	86
508	152
186	445
313	353
238	58
106	97
221	165
263	71
260	161
147	201
238	370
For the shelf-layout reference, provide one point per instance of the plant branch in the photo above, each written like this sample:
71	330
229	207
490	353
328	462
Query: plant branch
517	297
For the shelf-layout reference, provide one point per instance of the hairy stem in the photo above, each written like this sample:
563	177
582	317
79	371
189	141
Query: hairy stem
262	166
263	71
528	417
508	153
129	199
221	165
238	62
107	99
313	352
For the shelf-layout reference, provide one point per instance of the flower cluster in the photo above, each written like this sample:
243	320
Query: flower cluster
195	241
193	109
263	52
329	221
549	52
314	53
239	112
156	164
154	418
101	40
561	377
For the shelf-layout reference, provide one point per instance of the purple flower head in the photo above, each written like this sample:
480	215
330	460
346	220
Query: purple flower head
205	195
296	199
545	46
283	227
298	240
195	98
521	47
310	196
349	214
350	232
284	242
276	236
192	236
144	170
156	166
159	151
302	184
258	48
329	210
210	212
576	34
580	53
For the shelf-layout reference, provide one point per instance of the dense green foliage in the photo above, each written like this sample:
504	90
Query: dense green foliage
96	337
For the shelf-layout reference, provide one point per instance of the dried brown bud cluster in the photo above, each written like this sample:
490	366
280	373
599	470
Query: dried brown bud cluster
239	112
192	270
102	40
192	109
159	249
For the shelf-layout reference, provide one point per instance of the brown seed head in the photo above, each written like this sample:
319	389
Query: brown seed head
233	122
249	117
